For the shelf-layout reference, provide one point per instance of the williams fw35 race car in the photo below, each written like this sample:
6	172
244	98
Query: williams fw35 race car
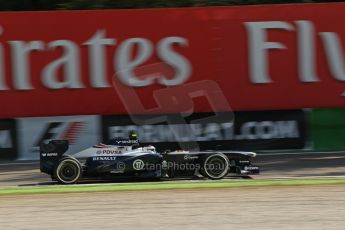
125	158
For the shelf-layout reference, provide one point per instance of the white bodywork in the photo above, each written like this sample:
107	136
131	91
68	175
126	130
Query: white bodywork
115	150
249	154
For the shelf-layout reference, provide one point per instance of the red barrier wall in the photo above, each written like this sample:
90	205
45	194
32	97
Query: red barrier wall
261	57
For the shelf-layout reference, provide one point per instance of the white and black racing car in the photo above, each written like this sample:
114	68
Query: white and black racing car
125	158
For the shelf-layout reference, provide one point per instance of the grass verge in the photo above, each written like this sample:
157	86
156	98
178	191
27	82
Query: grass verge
113	187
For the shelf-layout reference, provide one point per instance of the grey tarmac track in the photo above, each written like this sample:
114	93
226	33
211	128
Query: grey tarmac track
272	166
302	207
315	208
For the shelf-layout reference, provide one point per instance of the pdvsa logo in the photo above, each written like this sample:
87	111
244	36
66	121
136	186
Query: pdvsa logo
108	151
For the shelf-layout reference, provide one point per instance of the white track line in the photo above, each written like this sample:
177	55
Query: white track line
19	163
299	177
299	153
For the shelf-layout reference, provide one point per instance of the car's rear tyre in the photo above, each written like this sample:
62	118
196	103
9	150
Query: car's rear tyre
68	171
215	166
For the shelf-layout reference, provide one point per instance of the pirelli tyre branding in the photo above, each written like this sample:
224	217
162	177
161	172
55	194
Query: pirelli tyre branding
243	130
8	140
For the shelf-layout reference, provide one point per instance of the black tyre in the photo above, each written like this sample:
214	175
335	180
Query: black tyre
68	171
215	166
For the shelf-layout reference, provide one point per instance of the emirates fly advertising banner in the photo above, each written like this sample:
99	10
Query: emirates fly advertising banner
261	58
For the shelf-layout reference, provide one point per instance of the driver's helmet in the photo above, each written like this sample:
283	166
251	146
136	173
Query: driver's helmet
133	136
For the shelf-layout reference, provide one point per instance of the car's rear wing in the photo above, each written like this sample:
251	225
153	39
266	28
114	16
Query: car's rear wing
50	153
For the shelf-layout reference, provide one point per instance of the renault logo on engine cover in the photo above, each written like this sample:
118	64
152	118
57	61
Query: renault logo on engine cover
138	164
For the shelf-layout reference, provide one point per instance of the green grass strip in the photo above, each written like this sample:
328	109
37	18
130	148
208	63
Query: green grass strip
113	187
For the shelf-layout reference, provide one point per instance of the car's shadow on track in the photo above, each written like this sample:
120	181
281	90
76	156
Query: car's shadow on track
105	181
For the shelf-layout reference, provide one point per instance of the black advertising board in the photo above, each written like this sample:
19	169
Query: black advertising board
260	130
8	139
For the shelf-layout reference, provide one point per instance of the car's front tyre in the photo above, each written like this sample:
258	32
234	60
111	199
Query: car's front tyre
68	170
215	166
